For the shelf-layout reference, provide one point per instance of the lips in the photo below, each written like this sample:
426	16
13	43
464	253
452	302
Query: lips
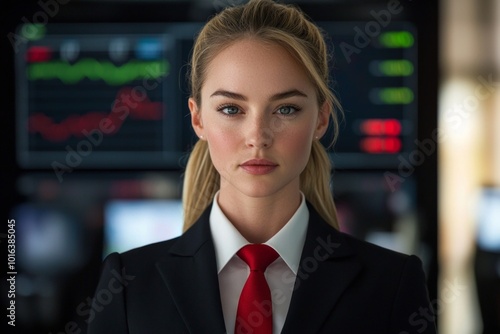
258	166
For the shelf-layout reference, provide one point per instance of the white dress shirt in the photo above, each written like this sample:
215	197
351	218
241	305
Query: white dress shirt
233	271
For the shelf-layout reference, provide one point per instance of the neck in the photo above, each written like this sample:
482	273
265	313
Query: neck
259	218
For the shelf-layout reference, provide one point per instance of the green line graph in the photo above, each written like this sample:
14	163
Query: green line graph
94	69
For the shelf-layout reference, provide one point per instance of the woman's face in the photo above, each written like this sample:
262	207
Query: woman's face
259	115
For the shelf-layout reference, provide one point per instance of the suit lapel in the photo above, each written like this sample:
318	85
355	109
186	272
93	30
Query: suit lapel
326	270
190	273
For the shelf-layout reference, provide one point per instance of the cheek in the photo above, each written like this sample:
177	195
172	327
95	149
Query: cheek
222	144
300	149
221	136
296	149
298	141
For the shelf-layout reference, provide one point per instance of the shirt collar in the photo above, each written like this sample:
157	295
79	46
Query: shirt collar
288	242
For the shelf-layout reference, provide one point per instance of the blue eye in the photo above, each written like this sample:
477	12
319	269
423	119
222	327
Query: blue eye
229	110
287	110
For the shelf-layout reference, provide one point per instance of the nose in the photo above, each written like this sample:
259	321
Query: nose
259	133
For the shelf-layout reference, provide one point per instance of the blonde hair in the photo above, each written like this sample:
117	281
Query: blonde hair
290	28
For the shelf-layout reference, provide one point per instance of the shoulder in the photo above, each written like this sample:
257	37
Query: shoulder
373	252
396	281
138	265
341	245
373	260
148	254
141	258
391	264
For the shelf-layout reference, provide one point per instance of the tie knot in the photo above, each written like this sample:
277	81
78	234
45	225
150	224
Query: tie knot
258	256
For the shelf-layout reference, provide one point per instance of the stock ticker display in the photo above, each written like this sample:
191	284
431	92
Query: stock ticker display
375	77
97	96
114	95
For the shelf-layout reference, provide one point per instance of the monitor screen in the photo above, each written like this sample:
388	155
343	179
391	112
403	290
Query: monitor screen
134	223
114	95
488	228
100	96
50	239
374	75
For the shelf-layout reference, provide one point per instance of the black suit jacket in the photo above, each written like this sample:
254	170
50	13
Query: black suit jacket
344	285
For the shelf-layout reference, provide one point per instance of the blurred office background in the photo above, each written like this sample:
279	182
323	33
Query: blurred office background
96	135
469	166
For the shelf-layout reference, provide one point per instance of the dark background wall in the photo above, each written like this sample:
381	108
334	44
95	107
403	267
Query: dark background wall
385	183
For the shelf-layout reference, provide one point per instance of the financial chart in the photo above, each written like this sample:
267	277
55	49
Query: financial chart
115	95
94	95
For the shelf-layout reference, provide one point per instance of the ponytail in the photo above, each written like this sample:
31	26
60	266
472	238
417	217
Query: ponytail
201	182
315	184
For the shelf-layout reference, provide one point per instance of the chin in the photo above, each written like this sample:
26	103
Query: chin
263	189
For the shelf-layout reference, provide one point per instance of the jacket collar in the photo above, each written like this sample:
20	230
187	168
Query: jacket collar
190	273
326	270
327	267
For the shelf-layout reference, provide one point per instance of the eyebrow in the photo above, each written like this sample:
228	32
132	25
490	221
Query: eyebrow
275	97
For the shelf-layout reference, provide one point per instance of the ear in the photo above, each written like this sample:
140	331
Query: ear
196	120
323	120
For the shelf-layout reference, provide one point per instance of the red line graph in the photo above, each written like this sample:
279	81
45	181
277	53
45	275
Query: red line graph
127	104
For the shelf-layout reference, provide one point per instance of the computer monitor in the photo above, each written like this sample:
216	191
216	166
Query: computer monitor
488	220
49	239
134	223
114	95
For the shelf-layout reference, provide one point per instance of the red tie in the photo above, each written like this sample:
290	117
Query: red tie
255	310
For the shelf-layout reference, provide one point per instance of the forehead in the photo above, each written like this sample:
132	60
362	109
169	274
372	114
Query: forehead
256	66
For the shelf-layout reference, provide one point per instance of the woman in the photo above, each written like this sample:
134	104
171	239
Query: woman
258	176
